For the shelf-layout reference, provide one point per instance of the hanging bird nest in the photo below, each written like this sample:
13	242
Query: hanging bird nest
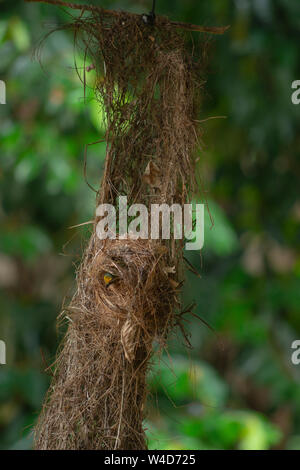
150	87
98	393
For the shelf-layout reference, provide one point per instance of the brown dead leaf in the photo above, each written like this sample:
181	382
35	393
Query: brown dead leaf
152	175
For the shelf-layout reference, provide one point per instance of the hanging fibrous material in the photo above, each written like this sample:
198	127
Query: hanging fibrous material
150	86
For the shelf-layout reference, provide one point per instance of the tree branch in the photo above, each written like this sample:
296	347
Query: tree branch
175	24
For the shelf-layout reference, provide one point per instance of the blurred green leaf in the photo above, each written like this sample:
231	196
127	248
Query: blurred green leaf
220	237
18	31
186	381
28	242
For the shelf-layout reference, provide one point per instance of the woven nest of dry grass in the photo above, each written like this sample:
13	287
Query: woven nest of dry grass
98	393
150	87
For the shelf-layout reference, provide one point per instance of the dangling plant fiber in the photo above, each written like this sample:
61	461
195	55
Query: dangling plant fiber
150	88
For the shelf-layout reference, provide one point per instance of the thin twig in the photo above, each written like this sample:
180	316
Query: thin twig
175	24
83	223
209	118
47	368
121	412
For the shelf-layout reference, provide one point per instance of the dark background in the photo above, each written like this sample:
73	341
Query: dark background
237	388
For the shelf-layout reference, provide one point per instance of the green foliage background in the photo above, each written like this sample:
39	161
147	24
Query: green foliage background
237	388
